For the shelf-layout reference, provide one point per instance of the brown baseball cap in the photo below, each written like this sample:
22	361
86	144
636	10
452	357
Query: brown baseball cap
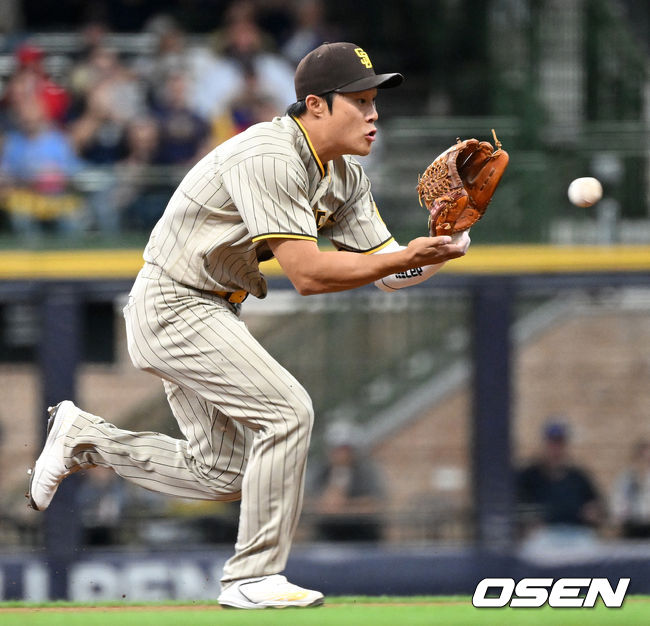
342	67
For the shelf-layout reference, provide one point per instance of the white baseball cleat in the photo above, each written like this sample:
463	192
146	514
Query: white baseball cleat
268	592
49	469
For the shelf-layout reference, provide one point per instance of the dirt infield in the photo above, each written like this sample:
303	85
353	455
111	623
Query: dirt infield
205	607
334	603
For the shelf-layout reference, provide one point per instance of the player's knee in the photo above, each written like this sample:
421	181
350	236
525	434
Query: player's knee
299	403
296	420
306	415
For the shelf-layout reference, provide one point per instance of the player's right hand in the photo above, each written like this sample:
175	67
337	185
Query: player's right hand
432	250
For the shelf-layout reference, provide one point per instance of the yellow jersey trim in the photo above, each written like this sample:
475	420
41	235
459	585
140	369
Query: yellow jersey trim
379	247
282	236
311	146
381	219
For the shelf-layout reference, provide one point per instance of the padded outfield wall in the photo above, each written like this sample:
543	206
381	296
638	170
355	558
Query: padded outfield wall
491	278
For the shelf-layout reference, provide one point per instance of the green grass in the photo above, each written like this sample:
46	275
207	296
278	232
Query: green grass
338	611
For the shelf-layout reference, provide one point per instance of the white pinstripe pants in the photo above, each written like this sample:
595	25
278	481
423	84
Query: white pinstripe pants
246	420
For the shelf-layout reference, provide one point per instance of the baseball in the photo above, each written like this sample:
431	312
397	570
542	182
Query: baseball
585	191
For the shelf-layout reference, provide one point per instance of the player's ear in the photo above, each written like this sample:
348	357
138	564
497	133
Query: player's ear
316	105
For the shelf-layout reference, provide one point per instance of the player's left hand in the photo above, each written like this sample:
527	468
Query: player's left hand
458	186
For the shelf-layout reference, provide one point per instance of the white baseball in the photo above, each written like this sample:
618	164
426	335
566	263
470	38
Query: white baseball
585	191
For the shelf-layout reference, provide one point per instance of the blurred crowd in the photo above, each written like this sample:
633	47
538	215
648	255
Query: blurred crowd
560	504
100	147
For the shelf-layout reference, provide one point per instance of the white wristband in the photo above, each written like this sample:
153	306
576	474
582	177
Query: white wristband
417	275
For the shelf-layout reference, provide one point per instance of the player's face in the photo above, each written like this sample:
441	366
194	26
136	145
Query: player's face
353	121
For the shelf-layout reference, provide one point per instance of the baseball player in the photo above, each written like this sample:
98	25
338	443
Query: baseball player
246	421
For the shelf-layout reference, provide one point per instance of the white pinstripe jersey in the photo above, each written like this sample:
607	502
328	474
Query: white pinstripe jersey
265	182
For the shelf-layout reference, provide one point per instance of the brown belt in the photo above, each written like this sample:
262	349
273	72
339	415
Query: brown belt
234	297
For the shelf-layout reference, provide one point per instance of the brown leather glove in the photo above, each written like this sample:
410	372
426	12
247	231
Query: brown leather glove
458	186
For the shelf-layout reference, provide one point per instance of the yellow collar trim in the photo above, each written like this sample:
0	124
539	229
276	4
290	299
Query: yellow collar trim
311	147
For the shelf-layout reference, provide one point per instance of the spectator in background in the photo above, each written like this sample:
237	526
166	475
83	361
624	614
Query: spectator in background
37	168
84	72
277	19
184	136
211	82
554	495
242	45
29	81
247	12
350	490
110	97
310	32
253	104
142	193
94	63
630	498
172	55
98	135
107	96
221	77
93	32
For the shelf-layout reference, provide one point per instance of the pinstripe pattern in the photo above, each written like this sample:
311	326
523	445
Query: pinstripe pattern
262	183
246	421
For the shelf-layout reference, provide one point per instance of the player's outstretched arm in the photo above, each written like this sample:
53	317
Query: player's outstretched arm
416	275
314	271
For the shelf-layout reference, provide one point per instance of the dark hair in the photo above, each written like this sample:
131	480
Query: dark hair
299	108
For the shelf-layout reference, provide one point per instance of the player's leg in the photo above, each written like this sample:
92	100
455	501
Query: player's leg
198	341
208	465
80	440
201	345
227	460
217	445
159	462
